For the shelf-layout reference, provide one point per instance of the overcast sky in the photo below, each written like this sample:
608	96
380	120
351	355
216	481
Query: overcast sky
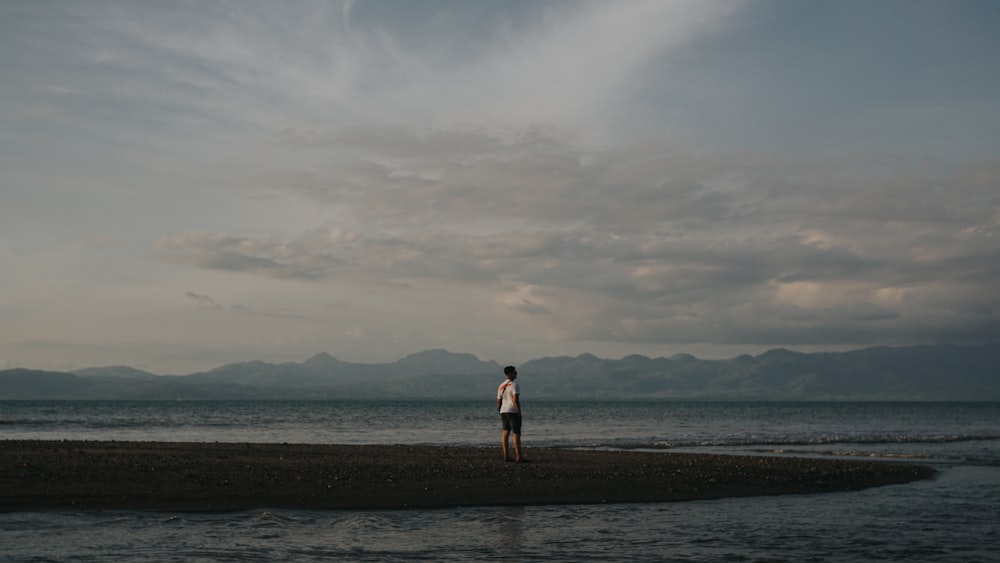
188	184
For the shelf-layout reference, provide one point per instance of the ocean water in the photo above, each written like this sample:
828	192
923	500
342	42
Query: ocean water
952	517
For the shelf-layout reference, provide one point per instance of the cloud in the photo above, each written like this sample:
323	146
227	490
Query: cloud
204	301
258	65
645	243
571	67
530	308
565	174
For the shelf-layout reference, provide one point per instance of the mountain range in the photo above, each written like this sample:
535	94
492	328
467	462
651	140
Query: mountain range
914	373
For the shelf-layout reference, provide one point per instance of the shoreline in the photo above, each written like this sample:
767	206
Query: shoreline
219	476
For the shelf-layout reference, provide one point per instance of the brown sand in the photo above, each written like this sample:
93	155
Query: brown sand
223	476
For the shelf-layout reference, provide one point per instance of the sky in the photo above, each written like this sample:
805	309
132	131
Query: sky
189	184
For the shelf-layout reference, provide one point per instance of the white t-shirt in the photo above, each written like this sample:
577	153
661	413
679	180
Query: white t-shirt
506	392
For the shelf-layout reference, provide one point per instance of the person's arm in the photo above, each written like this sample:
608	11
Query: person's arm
517	403
499	403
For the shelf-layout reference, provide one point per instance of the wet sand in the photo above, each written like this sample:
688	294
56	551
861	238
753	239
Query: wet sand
38	475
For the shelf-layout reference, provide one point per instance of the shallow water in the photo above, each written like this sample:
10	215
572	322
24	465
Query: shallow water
953	517
895	523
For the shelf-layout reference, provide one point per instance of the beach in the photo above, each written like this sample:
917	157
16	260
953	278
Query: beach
66	474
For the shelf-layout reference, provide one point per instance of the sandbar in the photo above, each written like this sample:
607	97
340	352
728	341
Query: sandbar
49	475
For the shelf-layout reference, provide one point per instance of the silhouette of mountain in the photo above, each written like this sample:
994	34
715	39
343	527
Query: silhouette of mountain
939	372
115	371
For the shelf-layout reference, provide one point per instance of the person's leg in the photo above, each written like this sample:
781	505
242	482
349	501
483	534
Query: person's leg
517	447
505	441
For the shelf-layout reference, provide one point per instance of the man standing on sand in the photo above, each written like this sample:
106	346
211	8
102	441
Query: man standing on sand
509	405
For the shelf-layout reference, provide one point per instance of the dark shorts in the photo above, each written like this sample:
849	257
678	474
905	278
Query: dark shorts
511	422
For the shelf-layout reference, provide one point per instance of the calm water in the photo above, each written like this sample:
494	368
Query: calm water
954	517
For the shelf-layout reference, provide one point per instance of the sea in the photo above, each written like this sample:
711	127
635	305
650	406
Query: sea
954	516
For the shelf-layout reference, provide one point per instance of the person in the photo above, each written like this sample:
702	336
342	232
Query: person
509	405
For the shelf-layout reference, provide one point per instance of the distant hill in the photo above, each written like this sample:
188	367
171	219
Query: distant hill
115	371
938	372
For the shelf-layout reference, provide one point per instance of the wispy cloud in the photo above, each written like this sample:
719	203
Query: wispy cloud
312	62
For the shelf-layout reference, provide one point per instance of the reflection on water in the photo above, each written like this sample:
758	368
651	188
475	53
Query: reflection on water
510	529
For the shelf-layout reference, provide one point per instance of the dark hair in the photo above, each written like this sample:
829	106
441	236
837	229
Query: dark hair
509	370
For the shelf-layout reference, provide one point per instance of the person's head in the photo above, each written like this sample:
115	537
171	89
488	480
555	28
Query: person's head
510	372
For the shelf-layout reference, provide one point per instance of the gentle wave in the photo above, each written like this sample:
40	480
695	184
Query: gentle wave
785	444
928	448
852	453
825	440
